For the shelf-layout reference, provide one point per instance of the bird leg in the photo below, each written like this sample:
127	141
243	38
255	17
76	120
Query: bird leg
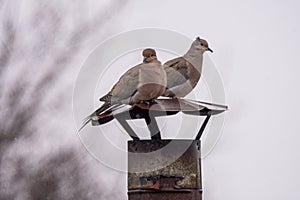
148	102
152	101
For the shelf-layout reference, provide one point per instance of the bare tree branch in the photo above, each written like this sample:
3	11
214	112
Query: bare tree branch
34	57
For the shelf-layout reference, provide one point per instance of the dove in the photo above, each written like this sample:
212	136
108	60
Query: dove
141	83
183	73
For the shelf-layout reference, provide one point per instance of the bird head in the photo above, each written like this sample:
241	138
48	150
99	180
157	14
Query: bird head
202	45
149	55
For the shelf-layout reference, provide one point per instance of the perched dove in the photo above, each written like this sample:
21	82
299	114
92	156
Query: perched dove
143	82
183	73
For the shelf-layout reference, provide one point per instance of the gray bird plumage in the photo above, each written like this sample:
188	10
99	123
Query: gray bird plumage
183	73
143	82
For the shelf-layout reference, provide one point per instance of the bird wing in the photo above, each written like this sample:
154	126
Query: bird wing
177	70
126	85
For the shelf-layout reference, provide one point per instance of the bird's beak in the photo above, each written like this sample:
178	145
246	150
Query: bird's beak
145	59
209	49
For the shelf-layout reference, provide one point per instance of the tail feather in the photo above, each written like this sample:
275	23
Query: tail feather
100	110
113	107
97	112
106	98
84	123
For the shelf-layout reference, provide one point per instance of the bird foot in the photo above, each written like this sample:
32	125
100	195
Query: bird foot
148	102
152	101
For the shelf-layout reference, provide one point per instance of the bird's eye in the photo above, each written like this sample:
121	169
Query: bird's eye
201	44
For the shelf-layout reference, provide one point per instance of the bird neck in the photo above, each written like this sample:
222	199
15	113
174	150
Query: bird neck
195	58
156	61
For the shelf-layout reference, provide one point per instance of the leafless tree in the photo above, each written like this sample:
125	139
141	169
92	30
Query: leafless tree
41	44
